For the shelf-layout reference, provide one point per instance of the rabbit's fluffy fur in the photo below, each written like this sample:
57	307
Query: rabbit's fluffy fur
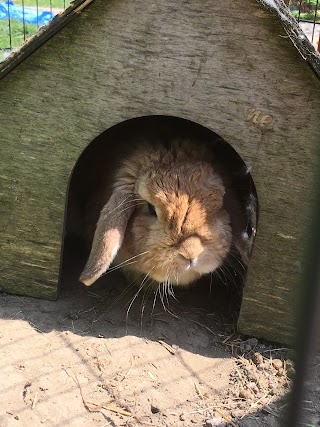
165	218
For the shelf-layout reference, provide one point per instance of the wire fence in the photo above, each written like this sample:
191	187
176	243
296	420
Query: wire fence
20	19
307	13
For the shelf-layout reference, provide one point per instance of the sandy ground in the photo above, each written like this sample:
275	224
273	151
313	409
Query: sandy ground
85	360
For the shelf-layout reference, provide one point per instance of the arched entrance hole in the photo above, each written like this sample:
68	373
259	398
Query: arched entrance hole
92	178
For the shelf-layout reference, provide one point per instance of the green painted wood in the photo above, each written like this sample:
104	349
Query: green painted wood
235	73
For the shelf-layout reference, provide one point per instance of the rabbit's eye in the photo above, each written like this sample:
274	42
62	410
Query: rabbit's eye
152	210
249	232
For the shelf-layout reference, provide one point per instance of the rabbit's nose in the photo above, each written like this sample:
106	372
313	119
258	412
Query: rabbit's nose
190	249
190	262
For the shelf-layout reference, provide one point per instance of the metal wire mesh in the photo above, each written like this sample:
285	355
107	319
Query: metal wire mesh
307	13
20	19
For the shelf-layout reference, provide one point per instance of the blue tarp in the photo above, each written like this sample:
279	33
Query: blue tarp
29	15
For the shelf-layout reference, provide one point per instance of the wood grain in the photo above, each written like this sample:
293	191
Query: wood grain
198	60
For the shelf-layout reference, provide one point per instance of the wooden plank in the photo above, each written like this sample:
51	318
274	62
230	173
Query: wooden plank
235	73
42	36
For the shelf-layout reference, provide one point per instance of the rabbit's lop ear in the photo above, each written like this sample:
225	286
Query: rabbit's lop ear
108	236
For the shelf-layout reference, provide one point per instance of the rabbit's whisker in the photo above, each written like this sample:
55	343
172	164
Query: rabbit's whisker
146	277
162	298
217	273
165	285
229	278
259	247
227	270
120	204
145	298
229	264
154	300
237	258
165	292
123	293
210	284
126	200
126	262
171	290
131	207
117	267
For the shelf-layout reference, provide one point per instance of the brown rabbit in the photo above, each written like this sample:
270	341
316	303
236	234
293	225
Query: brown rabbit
165	218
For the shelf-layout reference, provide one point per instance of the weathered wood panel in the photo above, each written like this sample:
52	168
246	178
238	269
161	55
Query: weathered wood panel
217	66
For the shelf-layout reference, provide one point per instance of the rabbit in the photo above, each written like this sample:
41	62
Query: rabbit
166	217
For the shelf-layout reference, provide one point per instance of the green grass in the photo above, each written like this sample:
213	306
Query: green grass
44	4
309	4
17	30
297	3
17	27
308	15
